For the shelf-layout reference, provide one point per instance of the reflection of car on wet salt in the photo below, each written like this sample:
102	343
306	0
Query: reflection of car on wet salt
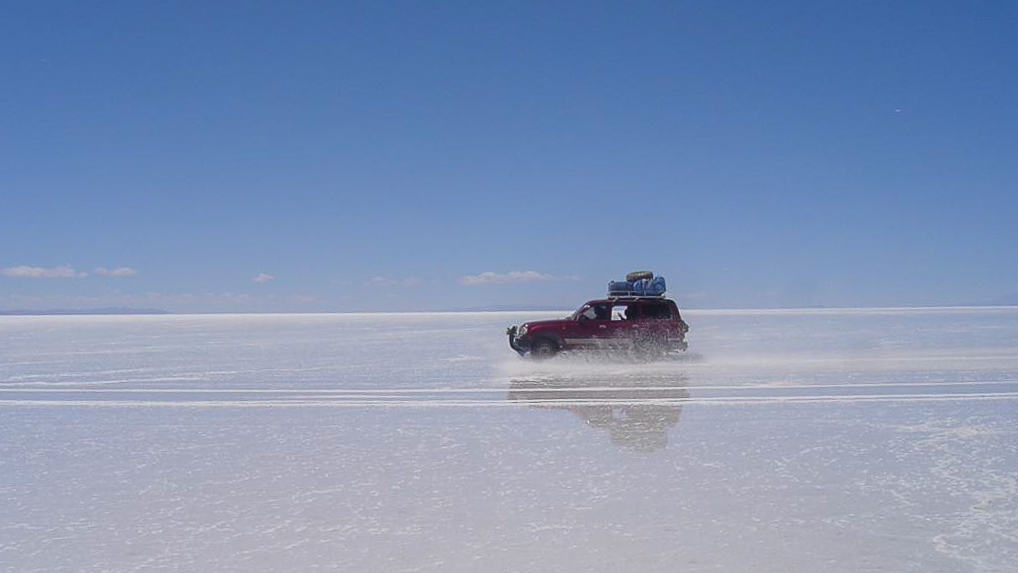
635	317
636	414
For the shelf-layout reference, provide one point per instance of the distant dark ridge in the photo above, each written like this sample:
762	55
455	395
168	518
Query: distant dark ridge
1006	300
510	307
61	311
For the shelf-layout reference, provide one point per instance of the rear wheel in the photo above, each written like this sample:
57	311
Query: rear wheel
650	349
543	349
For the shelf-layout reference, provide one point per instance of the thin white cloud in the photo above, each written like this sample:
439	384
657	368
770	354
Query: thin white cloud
490	278
27	272
171	301
263	278
116	272
381	281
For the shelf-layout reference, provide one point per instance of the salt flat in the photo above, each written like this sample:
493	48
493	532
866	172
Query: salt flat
803	440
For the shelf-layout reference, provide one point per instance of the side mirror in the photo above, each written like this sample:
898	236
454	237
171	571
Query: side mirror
581	319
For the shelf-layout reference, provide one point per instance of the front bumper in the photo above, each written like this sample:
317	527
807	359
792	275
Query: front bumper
521	344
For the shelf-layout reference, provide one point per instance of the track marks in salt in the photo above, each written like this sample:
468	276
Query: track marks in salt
519	393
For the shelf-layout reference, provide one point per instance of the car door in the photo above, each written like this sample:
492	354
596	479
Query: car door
624	321
592	327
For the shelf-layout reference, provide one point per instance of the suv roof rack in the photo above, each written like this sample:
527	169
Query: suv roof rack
652	296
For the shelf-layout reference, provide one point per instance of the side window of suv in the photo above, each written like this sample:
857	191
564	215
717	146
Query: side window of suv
623	312
656	310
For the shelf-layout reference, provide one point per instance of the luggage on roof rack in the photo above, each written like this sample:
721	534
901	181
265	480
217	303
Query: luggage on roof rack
640	287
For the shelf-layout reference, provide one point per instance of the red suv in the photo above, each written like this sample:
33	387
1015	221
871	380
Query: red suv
647	325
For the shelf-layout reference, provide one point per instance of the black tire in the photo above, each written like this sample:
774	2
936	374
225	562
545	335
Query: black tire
543	348
637	275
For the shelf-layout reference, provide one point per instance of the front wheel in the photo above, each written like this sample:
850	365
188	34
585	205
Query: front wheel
543	349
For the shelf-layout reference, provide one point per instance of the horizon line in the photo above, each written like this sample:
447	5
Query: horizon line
695	310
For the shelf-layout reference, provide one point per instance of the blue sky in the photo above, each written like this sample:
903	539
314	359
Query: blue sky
372	156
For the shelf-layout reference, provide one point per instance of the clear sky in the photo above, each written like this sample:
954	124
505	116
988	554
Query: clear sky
215	156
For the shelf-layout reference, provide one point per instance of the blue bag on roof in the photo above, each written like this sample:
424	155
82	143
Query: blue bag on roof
619	288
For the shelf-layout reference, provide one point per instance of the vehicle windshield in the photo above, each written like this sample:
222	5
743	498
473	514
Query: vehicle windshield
595	311
576	314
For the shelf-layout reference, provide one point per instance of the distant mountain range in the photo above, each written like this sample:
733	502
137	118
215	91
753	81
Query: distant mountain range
512	307
58	311
1010	300
1006	300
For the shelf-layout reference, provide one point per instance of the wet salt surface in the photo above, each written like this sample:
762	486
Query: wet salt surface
846	440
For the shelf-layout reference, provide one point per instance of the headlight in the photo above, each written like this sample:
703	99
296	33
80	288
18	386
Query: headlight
522	331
